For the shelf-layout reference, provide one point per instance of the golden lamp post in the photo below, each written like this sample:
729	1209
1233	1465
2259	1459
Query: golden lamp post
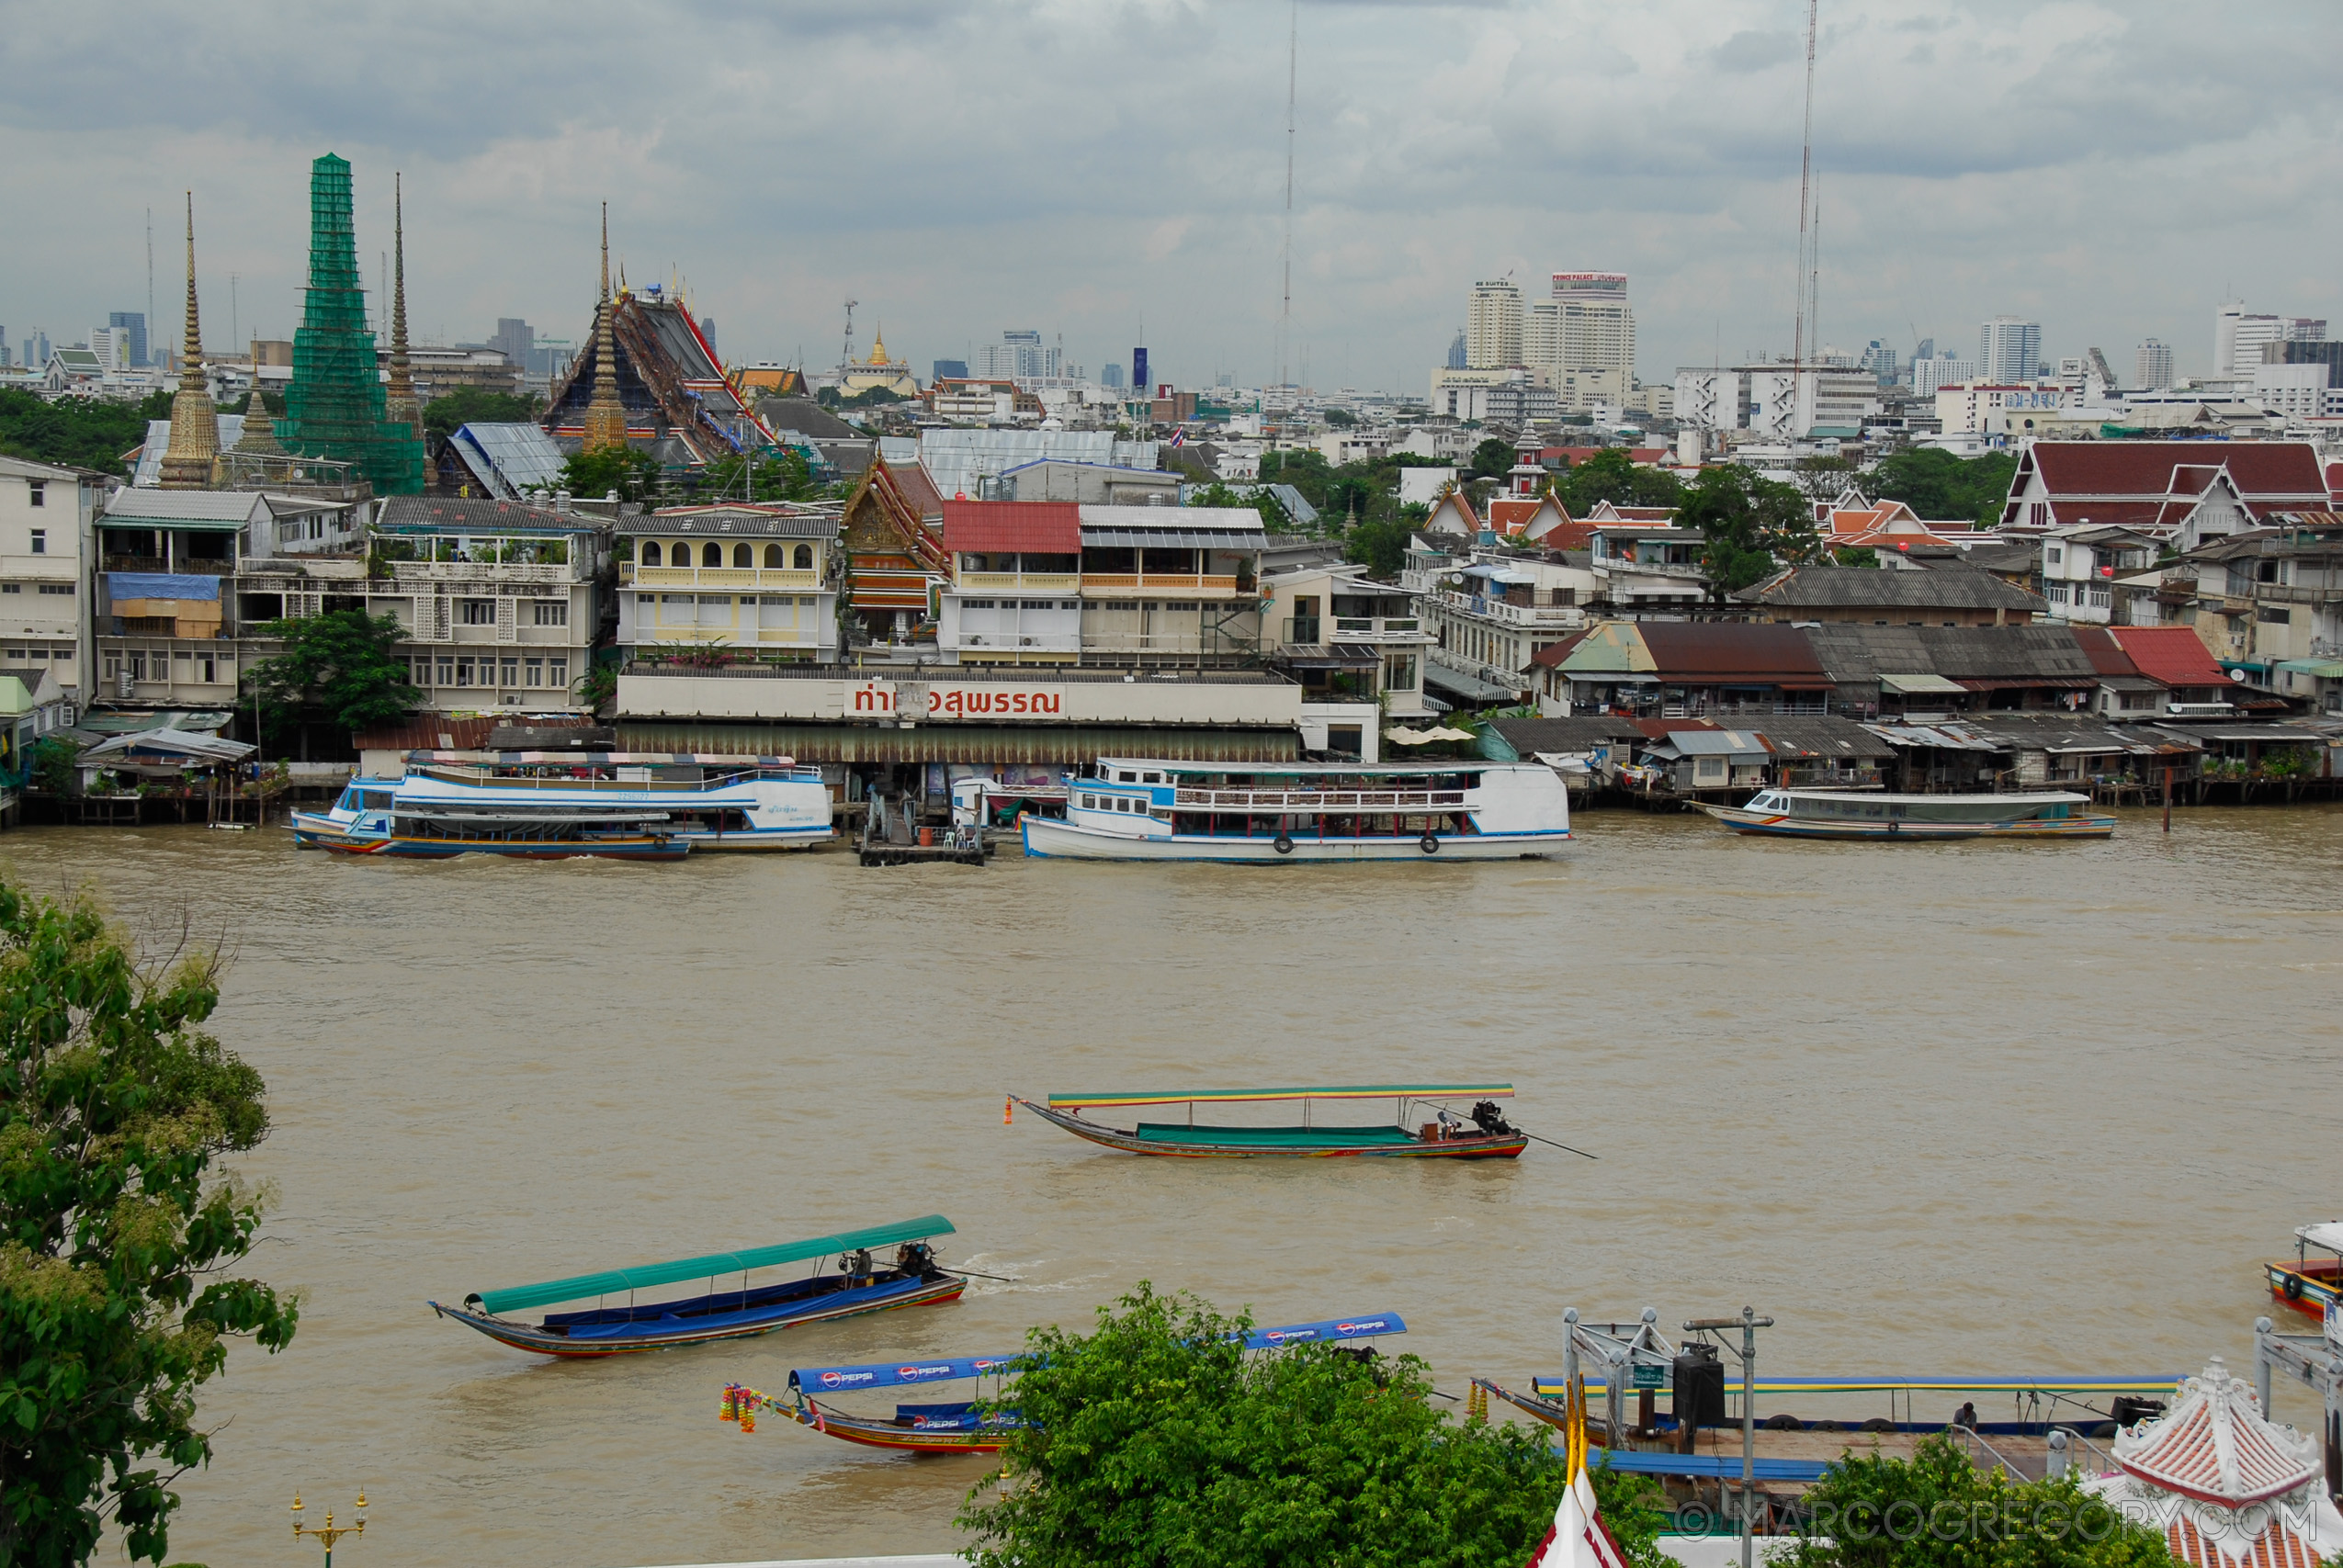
329	1532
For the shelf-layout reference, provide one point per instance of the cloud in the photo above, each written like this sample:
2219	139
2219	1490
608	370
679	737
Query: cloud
1083	165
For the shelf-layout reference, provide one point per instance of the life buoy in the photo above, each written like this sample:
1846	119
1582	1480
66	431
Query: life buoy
1428	843
2293	1287
1894	827
1282	843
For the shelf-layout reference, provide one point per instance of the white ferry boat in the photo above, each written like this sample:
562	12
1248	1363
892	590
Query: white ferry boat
1271	813
1861	814
708	802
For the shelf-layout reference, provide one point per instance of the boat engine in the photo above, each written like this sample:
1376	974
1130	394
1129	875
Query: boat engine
1491	1120
914	1259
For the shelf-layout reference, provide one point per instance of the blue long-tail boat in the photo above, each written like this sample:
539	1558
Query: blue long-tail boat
619	1321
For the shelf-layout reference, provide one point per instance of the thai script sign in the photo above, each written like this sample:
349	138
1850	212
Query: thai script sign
872	698
990	701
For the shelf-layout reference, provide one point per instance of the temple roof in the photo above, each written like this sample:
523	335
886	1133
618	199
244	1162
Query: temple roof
2215	1446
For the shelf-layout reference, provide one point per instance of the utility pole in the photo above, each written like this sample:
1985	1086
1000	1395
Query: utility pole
1748	1323
150	286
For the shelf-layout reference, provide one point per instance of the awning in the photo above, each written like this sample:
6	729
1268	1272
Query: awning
1910	684
1337	656
2323	669
579	1287
1472	688
2026	682
1171	539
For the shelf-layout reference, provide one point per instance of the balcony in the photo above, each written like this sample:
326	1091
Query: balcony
744	637
183	566
774	579
1156	585
436	571
1549	617
1019	581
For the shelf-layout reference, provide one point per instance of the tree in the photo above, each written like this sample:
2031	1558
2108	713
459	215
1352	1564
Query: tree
1157	1439
633	474
1753	526
1341	419
1939	486
1272	516
1611	475
114	1233
1822	479
1491	459
1937	1508
1383	545
337	666
477	405
76	433
784	475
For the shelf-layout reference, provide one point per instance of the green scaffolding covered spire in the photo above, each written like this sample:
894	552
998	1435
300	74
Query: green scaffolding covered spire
336	408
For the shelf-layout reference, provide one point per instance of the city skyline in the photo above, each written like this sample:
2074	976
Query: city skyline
1131	204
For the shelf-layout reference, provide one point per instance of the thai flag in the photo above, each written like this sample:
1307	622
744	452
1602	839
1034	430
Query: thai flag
1180	437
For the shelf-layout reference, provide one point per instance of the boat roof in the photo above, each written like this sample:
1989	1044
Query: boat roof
2038	797
2327	1235
592	759
947	1368
1287	770
1242	1096
410	811
579	1287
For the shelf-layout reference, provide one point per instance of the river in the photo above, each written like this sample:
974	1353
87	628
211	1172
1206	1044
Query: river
1937	1109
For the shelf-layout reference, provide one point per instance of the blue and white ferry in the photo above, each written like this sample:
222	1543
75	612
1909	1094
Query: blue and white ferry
710	802
1281	813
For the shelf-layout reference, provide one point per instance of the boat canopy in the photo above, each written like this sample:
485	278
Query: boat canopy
946	1369
518	1298
2328	1237
1553	1387
1243	1096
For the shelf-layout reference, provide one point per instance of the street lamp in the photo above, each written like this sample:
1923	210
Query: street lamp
329	1532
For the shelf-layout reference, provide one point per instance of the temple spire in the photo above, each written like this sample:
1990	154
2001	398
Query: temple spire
190	460
400	400
605	417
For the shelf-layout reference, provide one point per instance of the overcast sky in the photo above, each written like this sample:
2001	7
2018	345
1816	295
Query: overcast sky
1088	167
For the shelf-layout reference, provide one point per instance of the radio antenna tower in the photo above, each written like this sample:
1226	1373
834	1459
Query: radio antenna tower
1286	311
1806	177
847	357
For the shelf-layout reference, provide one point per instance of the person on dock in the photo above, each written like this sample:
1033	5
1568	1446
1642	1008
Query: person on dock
1966	1416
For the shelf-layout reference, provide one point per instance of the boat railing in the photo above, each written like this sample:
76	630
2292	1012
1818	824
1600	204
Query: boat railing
1402	800
485	778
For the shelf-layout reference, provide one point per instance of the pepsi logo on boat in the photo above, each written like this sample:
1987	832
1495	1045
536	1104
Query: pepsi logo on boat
912	1374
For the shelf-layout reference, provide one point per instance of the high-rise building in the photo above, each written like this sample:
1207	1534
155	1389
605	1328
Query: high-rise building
1110	375
949	370
112	346
334	407
1019	355
2152	370
2238	336
515	339
2008	350
37	350
1493	326
1456	352
1941	370
134	323
1880	360
1925	349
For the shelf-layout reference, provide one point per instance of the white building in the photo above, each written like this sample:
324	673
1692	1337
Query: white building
2079	566
1514	397
1984	408
48	542
2238	336
1020	355
2298	391
2010	349
1586	330
1493	326
2153	368
752	579
1774	400
1932	371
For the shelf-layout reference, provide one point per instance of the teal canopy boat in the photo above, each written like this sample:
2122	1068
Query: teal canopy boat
1445	1134
861	1283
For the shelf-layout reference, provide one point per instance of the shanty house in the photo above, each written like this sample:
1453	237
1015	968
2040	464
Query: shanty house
1947	596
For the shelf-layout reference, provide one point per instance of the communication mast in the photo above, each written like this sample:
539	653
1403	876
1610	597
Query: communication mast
1806	264
1286	311
847	357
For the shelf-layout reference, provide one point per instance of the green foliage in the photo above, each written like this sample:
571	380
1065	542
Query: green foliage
1491	459
52	764
1611	475
759	476
1865	556
1822	479
1158	1440
477	405
1634	1508
1341	419
1939	486
1937	1509
76	433
633	474
338	666
1383	546
598	685
1272	516
115	1234
1753	526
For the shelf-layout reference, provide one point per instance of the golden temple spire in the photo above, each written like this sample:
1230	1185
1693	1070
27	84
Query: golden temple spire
878	346
400	400
605	417
190	460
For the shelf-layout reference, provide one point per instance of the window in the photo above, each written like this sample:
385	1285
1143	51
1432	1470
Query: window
535	672
773	557
742	557
464	671
11	588
512	673
36	494
40	539
552	613
447	669
711	554
477	612
557	673
2055	554
57	590
805	558
650	552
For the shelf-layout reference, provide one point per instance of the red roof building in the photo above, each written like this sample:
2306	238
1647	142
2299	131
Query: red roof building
2173	657
1012	527
2190	489
1530	517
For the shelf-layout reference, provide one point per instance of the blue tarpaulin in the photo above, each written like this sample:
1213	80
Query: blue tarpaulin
161	585
1708	1466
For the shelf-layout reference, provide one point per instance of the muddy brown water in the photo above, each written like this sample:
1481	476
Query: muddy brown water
1939	1109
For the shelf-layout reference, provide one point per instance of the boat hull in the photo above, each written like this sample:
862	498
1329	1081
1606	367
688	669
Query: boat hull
1049	838
1782	825
821	1309
900	1439
2308	1289
1503	1147
394	848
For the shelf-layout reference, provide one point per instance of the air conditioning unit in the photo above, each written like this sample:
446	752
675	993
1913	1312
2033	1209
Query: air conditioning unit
1026	642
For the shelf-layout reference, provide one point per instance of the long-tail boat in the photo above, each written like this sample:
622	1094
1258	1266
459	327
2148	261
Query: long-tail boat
961	1427
619	1323
1410	1134
2310	1284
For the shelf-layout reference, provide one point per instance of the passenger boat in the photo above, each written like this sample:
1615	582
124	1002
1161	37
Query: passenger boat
1862	814
2309	1284
1444	1137
961	1427
862	1283
440	834
1273	814
703	801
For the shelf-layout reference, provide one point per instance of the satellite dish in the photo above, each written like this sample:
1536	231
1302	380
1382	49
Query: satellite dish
2238	676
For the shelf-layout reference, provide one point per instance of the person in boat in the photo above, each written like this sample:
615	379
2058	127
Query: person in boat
856	1266
1966	1416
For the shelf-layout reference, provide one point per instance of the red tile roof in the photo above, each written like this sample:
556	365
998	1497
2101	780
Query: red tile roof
918	489
2106	658
2129	482
1044	527
2173	655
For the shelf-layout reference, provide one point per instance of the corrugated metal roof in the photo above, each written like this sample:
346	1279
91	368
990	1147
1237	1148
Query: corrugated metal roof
510	458
1046	527
180	508
1027	744
1942	588
959	460
478	514
1173	539
2174	655
1913	684
1696	651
